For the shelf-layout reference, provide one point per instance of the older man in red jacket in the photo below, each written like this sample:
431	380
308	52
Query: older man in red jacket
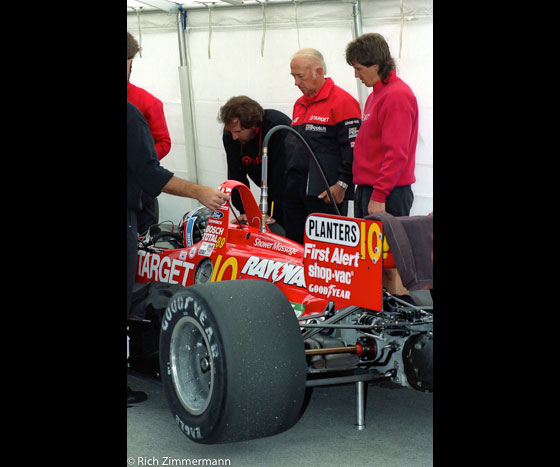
328	119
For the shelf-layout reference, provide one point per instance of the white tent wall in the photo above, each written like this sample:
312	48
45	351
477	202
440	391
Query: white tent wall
228	57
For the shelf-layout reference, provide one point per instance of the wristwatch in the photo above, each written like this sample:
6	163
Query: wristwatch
342	184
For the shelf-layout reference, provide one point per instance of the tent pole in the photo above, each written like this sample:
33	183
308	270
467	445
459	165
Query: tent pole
187	100
356	32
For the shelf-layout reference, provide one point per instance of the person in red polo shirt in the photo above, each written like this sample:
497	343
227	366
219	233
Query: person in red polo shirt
385	148
152	110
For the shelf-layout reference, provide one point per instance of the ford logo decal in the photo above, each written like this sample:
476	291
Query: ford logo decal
217	215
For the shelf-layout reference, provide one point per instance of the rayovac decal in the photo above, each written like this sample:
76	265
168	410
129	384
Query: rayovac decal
288	273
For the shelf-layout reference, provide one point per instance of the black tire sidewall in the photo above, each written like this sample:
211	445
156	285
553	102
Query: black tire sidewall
196	427
258	355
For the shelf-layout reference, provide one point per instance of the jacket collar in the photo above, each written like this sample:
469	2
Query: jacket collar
323	93
391	77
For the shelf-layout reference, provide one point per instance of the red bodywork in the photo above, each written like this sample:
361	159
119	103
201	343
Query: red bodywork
326	269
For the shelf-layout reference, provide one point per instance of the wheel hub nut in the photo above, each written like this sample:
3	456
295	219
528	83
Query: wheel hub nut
204	364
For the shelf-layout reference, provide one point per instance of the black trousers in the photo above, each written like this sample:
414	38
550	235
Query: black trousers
131	254
149	215
398	203
297	206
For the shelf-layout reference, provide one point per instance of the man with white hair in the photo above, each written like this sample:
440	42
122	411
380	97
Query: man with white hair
328	118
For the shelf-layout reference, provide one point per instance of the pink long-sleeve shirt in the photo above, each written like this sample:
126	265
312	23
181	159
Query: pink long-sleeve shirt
385	148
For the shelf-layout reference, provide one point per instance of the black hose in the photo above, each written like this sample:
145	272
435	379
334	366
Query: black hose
313	158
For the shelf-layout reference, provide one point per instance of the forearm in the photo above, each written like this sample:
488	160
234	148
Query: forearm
179	187
210	197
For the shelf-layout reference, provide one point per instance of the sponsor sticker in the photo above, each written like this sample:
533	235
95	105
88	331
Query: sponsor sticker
206	248
342	260
298	308
275	271
317	128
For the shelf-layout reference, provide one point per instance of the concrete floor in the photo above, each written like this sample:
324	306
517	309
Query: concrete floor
398	432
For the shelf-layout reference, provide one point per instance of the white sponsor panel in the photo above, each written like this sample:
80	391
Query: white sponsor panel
339	231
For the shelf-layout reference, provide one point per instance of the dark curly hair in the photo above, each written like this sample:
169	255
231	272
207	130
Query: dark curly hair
371	49
131	46
248	111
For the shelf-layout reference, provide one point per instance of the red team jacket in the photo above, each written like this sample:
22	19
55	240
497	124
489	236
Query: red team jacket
152	110
329	121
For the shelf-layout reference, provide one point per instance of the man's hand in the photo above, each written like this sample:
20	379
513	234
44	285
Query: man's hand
210	197
241	217
375	206
337	192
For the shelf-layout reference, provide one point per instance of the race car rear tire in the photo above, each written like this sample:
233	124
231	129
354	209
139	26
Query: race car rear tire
232	361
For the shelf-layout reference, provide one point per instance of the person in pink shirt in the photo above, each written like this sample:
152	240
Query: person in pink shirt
385	148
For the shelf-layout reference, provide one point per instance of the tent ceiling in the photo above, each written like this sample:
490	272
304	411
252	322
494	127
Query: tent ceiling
170	4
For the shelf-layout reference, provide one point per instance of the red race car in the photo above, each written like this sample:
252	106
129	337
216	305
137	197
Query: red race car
241	323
